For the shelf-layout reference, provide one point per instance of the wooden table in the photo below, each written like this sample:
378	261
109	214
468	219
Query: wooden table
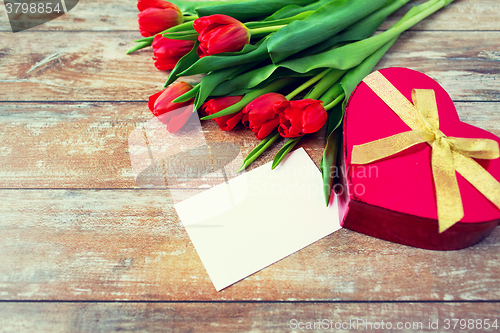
83	248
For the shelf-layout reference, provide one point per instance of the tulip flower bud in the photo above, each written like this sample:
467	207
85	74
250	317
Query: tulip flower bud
220	33
167	52
174	115
260	116
300	117
226	123
156	16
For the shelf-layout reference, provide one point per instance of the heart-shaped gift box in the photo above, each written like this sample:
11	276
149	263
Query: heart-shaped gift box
394	196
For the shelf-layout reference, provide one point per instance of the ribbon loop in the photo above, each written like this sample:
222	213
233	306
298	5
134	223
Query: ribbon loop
449	201
485	149
449	154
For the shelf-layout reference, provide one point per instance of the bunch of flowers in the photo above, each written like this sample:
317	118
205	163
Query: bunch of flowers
252	51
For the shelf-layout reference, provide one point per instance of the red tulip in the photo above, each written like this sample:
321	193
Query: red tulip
300	117
220	33
157	15
260	114
226	123
167	52
174	115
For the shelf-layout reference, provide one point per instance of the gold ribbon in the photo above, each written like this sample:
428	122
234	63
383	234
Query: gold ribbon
449	154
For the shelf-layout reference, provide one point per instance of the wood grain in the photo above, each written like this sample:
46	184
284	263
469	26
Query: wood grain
107	15
86	145
75	224
235	317
93	66
129	245
460	15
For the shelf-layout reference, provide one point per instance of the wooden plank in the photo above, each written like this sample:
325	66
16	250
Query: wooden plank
240	317
93	66
444	63
129	245
94	15
460	15
76	66
59	243
86	145
109	15
42	138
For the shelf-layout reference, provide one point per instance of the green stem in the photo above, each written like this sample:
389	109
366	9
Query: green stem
307	84
283	152
259	149
332	93
325	84
351	55
265	31
138	47
188	18
184	27
335	102
181	35
273	86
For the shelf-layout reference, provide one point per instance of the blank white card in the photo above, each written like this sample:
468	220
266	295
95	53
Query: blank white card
252	221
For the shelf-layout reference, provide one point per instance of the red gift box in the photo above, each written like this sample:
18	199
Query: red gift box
394	198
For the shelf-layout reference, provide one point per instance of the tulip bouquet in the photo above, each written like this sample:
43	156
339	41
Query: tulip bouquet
259	55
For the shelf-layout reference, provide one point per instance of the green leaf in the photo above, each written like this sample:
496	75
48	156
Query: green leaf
349	82
291	10
249	54
358	31
354	76
283	21
186	26
283	152
351	55
335	118
250	10
285	12
189	7
324	23
259	149
256	77
239	92
244	81
415	10
212	80
329	160
187	95
182	64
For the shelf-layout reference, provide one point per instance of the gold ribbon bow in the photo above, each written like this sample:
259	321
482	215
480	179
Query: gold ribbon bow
449	154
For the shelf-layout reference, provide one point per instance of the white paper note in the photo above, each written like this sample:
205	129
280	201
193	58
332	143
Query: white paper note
250	222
